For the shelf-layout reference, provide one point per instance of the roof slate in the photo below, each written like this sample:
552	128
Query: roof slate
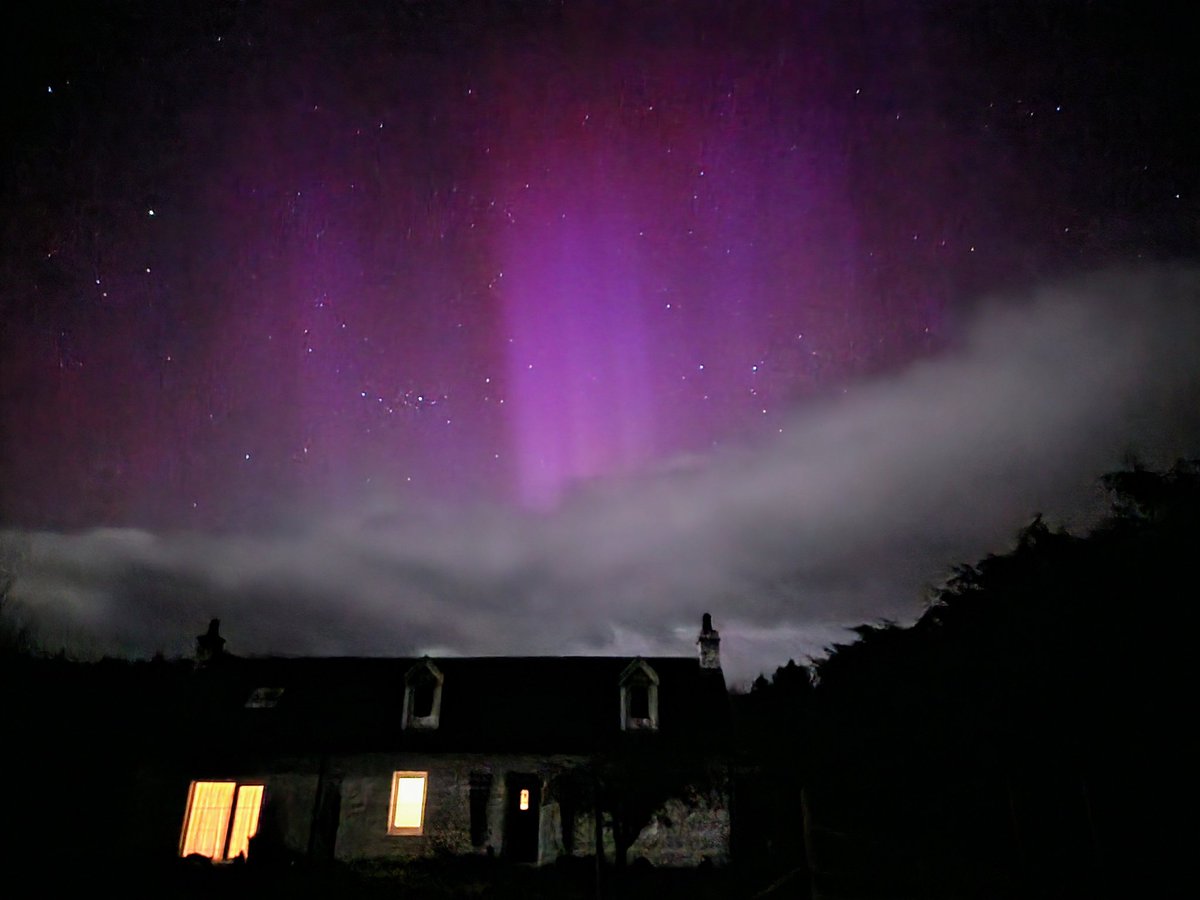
489	704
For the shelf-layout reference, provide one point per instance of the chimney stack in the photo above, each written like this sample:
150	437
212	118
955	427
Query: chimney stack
210	645
710	644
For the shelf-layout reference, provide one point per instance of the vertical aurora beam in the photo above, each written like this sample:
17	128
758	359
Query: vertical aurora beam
672	260
577	346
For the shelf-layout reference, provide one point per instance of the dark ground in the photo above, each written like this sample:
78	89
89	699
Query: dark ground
427	880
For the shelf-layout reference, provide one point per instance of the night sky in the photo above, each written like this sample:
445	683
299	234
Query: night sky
545	327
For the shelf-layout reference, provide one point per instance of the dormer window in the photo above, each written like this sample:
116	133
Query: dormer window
422	695
423	698
639	697
639	701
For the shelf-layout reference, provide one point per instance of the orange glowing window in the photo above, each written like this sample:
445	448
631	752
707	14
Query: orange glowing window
524	801
221	818
407	815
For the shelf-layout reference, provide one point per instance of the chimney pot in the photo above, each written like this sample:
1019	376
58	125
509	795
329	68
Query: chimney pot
710	644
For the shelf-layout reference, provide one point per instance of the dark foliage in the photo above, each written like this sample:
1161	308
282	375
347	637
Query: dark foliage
1028	736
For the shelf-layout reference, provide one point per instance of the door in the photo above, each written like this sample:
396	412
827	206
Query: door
523	803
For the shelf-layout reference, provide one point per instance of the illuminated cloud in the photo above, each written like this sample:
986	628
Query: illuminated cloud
847	515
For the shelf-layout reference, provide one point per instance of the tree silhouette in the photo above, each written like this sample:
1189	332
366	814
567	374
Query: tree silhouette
1028	734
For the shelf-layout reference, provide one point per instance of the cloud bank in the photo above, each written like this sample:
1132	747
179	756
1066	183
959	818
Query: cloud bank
847	515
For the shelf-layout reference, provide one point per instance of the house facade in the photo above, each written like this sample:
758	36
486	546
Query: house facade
531	759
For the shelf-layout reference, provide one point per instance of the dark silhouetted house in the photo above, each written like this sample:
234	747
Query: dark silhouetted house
530	759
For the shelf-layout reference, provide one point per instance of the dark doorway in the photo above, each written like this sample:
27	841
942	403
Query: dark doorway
522	804
481	789
323	836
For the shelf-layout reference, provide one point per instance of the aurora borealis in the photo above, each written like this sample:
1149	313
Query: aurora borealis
268	262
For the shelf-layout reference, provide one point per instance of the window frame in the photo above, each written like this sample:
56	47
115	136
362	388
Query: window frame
264	698
639	674
230	819
407	830
424	674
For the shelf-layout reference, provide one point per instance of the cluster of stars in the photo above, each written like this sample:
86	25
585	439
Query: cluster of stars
667	245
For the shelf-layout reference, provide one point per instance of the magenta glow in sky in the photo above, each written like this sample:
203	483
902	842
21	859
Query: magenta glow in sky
341	262
304	306
260	261
653	262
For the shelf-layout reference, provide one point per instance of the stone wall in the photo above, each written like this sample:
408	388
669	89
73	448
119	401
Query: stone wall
366	785
288	809
351	816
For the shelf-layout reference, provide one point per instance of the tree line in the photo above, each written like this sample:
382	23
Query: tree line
1029	735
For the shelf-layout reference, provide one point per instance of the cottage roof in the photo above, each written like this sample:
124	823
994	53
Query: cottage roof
487	704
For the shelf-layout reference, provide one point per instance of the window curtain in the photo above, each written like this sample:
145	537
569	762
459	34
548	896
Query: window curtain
208	819
209	831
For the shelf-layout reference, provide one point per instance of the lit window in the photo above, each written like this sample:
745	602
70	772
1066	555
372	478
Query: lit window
524	799
207	827
407	815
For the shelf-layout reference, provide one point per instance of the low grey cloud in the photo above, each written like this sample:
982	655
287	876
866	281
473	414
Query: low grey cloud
849	515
